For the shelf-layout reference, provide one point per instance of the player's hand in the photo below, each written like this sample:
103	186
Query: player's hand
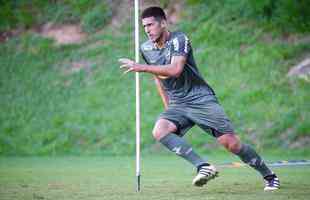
130	66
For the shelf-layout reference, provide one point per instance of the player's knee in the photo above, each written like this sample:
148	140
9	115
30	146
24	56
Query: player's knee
158	134
162	128
230	142
234	147
155	134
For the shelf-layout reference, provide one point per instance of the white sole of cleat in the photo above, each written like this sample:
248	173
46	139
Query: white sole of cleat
200	180
270	188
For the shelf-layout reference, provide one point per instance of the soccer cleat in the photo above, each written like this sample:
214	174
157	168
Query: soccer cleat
271	183
205	174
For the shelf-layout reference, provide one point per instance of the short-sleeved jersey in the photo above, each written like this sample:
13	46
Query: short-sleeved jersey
190	85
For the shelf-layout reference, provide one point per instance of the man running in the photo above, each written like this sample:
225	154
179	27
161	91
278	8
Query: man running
188	100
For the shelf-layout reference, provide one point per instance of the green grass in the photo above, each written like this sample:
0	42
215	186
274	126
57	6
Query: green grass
49	108
163	177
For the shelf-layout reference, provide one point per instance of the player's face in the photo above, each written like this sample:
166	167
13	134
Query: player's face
153	28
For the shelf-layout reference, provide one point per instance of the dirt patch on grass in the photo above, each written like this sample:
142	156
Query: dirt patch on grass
300	142
301	70
83	64
286	38
63	34
6	35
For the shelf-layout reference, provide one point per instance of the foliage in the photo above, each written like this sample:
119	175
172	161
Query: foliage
96	18
288	15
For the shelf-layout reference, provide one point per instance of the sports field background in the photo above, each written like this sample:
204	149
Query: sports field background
73	100
67	123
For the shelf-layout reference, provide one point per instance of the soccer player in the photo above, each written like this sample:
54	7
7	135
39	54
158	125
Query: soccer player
188	100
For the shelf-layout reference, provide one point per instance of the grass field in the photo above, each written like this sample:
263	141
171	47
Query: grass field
163	177
73	100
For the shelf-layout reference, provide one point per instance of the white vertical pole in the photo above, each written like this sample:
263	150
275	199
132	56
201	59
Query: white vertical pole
137	95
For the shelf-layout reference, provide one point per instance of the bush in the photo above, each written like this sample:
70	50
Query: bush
17	13
96	18
72	11
27	13
294	13
287	15
6	16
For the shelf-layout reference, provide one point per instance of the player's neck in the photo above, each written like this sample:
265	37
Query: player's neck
162	40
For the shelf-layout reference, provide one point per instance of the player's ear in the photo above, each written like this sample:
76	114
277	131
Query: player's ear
163	23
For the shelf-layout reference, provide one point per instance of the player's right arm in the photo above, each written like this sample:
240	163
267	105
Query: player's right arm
179	52
161	92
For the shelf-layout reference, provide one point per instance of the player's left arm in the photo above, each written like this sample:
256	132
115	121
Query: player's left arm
171	70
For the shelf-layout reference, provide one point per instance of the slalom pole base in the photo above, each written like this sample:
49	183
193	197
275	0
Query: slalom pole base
138	183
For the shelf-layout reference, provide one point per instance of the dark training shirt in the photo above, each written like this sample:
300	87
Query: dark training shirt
190	85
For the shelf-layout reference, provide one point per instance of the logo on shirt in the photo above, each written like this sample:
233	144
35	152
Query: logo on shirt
175	42
181	45
186	44
147	47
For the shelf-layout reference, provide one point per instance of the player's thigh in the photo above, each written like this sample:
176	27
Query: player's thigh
177	116
211	118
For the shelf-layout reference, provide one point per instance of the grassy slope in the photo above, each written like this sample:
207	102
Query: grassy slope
249	75
47	108
162	178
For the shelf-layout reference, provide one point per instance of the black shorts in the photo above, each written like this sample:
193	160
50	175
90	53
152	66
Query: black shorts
206	112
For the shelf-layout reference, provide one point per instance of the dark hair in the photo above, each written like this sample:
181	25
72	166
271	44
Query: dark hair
156	12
